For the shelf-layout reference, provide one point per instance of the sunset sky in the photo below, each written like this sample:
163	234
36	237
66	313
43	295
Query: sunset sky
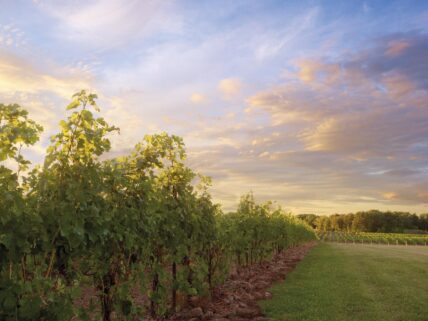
319	105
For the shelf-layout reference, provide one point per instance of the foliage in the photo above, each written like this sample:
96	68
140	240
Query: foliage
369	221
374	238
256	231
142	222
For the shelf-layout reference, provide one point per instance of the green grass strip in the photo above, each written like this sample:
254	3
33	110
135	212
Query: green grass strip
344	282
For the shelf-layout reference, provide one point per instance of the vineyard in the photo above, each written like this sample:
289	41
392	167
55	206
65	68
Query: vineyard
374	238
139	226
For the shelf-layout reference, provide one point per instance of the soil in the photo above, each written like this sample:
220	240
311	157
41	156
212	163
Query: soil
236	299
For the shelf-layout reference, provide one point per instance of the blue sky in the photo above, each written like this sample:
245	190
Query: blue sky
320	105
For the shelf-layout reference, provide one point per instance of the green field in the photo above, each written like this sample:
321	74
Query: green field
344	282
374	238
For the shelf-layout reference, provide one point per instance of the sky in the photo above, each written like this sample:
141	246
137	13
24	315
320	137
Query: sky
321	106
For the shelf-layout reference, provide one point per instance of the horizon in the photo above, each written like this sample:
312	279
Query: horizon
319	106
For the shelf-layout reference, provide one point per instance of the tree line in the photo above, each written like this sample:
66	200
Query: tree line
144	222
369	221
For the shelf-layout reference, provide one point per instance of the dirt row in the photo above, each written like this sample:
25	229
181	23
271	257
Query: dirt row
236	299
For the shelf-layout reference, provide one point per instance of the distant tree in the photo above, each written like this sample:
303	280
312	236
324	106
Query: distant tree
423	222
369	221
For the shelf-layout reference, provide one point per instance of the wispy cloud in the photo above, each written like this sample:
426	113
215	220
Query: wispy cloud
19	75
367	108
274	42
106	24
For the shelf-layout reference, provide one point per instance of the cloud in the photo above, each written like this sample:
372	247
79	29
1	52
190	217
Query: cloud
197	98
106	24
354	106
417	194
400	53
272	43
130	124
310	70
11	36
358	121
230	87
397	47
309	116
390	195
19	75
369	134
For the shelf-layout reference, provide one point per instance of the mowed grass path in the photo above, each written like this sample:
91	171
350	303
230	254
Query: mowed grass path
344	282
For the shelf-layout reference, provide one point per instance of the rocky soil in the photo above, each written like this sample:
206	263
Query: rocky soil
236	299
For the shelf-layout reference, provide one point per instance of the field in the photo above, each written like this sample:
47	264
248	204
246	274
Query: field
374	238
347	282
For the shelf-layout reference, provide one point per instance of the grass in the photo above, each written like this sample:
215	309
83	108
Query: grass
344	282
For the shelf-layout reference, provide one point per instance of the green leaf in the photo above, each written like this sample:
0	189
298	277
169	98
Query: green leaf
74	104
